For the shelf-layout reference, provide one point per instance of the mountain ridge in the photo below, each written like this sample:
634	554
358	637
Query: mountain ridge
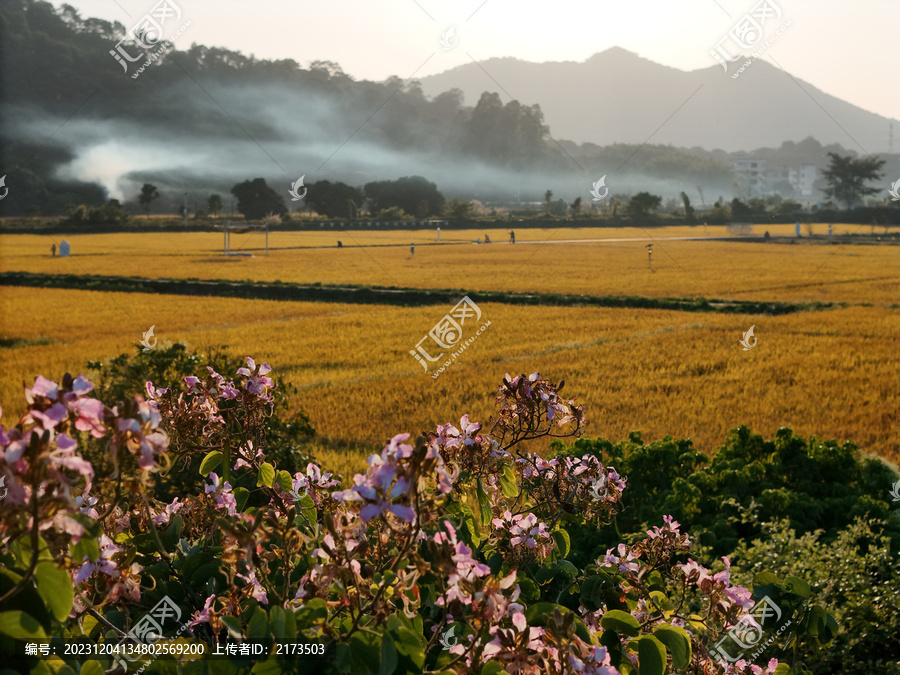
698	108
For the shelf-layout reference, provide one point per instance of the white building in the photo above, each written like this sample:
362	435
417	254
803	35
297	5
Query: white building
751	178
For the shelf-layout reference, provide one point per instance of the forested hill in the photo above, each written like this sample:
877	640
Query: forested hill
206	118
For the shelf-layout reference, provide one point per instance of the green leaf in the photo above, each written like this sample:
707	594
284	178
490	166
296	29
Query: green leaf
312	613
563	543
509	483
266	475
240	496
816	621
484	505
210	462
20	625
172	533
493	668
388	656
411	645
87	547
205	572
529	589
276	622
233	624
92	668
651	655
471	526
798	586
364	653
830	631
678	642
537	614
783	669
55	588
290	626
270	667
620	622
285	480
258	628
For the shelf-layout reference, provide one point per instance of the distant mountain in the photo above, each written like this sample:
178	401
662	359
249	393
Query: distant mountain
617	96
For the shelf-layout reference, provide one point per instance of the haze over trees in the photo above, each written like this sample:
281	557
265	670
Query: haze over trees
255	199
847	178
149	193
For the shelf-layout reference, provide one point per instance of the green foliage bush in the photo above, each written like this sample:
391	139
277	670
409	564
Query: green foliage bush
856	575
817	485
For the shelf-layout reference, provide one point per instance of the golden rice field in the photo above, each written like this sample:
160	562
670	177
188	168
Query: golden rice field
734	269
831	373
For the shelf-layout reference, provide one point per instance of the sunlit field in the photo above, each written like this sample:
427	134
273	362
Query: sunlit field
739	270
831	373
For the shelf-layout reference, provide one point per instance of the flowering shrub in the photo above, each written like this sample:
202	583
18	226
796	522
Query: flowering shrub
448	555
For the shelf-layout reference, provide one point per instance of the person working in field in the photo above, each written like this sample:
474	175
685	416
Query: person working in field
53	250
487	240
512	237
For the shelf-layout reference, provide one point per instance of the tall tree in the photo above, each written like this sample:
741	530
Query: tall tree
148	194
256	199
214	204
459	209
643	203
333	200
688	209
576	207
412	194
847	178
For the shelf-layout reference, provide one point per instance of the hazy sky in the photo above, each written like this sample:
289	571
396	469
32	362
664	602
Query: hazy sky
847	48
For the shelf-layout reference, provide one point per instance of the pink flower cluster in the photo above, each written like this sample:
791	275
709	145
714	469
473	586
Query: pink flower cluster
580	484
729	601
221	490
383	488
536	399
523	530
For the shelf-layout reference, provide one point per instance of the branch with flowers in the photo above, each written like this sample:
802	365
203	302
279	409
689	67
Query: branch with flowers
447	555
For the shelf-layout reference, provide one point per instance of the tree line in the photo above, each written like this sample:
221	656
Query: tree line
414	196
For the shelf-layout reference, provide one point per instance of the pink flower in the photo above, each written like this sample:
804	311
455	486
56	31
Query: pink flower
202	616
623	560
258	592
104	563
42	387
170	510
89	413
222	489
